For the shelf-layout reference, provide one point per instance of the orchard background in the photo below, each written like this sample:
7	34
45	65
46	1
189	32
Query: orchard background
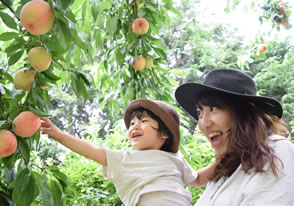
90	81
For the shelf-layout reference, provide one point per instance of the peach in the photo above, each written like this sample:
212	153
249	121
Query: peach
149	62
39	58
24	78
139	63
26	124
37	17
262	48
285	21
8	143
140	26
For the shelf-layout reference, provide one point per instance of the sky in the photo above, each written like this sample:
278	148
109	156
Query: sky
246	21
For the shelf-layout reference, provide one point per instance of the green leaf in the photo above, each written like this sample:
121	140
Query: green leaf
99	39
64	4
8	20
57	192
85	79
12	48
8	76
8	36
15	57
161	52
45	190
94	9
63	33
111	24
60	176
38	112
25	189
51	76
104	5
25	149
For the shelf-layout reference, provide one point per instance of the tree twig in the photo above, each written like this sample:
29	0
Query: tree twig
5	4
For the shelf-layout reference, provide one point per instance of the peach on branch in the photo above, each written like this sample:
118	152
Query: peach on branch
39	58
262	48
285	21
37	17
140	26
149	62
26	124
139	63
8	143
24	78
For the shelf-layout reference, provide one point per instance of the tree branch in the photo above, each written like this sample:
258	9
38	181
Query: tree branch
5	4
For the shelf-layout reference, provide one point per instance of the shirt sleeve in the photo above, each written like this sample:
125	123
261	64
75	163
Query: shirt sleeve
189	174
113	158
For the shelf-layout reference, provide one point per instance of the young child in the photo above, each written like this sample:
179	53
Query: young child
152	174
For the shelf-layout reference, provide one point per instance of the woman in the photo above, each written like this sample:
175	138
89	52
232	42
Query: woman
255	163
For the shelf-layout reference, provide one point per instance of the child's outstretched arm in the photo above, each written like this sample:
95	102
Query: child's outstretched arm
77	145
203	175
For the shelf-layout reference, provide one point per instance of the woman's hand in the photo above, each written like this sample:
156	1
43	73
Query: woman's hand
47	127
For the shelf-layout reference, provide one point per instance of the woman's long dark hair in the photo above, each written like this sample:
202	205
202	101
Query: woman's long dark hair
248	138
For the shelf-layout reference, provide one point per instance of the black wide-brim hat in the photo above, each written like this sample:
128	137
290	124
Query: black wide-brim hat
165	112
229	81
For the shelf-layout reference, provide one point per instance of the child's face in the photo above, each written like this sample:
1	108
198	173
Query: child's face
143	134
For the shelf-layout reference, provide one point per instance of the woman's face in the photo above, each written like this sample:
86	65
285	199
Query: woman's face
215	124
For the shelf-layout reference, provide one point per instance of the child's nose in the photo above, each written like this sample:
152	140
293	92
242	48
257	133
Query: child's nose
136	124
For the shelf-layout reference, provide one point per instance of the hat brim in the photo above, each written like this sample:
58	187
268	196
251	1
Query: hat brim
159	111
186	95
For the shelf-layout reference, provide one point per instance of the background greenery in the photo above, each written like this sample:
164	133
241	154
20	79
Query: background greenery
91	81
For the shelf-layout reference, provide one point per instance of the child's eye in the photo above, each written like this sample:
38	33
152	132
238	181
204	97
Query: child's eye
132	123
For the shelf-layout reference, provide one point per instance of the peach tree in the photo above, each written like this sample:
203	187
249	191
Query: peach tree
82	44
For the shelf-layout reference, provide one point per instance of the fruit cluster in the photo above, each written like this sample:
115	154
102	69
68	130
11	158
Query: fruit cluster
281	14
140	26
26	124
37	17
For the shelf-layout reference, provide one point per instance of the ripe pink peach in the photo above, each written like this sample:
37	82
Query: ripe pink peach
140	26
26	124
139	63
8	143
37	17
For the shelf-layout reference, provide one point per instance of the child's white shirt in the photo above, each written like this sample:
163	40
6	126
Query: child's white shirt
149	172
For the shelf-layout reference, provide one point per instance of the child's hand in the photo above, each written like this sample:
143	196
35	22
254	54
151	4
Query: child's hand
47	127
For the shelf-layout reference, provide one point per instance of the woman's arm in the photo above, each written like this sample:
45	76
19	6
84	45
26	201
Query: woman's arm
77	145
203	176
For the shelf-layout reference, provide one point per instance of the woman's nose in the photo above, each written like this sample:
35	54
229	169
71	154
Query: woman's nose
206	121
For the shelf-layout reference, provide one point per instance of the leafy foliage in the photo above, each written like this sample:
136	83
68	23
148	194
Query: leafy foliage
91	81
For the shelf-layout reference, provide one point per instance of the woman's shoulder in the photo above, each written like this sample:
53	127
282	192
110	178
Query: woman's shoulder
281	145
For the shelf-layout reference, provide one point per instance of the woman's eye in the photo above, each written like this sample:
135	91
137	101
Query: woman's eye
144	120
199	113
213	108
